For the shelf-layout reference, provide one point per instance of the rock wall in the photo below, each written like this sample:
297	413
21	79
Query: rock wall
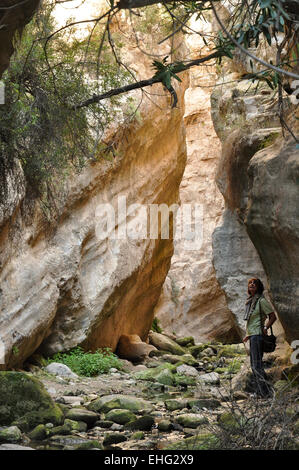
64	286
61	283
257	177
192	301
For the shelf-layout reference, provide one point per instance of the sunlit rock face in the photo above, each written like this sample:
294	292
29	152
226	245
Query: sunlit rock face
192	301
65	286
62	282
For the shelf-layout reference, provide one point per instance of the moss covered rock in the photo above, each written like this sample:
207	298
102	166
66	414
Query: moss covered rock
161	374
186	341
184	380
165	425
165	377
67	428
137	436
89	445
165	343
173	404
10	434
25	403
231	350
120	416
81	414
198	349
230	422
39	433
191	420
127	402
145	423
210	403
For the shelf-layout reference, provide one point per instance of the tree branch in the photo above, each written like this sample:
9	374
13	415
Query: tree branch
144	83
254	57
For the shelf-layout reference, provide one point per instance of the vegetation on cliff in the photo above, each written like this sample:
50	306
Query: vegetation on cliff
55	112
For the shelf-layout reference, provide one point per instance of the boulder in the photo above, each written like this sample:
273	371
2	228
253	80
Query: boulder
81	414
120	416
39	433
24	402
186	341
165	425
10	434
113	438
210	403
161	374
212	378
184	369
132	348
184	380
164	343
165	377
56	368
145	423
176	404
110	402
191	420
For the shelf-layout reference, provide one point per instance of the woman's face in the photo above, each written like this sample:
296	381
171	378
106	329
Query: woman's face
252	287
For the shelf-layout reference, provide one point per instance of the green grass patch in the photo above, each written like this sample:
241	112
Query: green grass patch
88	364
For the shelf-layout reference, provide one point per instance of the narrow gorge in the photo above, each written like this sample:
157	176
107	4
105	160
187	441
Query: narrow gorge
113	338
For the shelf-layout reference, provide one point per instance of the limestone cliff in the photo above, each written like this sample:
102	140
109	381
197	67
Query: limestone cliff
192	300
61	283
257	177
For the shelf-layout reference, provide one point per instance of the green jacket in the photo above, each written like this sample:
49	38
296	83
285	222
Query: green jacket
253	326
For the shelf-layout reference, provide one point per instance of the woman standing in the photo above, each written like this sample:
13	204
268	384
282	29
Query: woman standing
256	311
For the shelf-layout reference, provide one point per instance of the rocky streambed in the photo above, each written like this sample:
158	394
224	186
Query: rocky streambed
198	398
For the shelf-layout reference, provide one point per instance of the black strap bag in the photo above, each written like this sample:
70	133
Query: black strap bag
269	341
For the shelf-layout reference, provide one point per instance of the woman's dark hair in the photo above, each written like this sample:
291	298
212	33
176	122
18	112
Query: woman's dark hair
259	285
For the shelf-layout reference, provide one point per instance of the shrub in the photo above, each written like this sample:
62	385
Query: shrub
39	125
156	326
87	363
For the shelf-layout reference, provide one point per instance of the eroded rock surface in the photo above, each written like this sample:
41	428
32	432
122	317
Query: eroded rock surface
63	283
192	300
257	177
